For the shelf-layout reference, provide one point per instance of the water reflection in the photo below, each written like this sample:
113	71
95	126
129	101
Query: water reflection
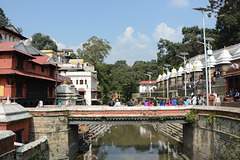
133	142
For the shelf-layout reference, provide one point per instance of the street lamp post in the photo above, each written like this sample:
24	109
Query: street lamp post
184	59
209	53
167	66
205	49
149	75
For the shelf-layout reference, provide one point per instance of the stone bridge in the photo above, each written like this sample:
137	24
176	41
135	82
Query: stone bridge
214	129
78	115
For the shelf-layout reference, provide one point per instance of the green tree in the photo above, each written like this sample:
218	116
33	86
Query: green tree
43	42
73	56
124	81
228	24
190	43
167	53
3	19
95	50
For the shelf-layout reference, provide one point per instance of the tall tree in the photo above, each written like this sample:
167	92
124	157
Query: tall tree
95	50
228	21
41	42
167	53
191	43
3	19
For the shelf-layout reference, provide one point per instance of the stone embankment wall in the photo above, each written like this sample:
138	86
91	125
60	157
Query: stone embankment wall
213	137
62	138
35	150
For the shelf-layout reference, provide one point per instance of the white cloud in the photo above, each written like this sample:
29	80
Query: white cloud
165	32
76	47
132	47
180	3
59	45
63	46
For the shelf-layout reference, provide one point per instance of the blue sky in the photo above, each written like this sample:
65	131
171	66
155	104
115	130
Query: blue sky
133	27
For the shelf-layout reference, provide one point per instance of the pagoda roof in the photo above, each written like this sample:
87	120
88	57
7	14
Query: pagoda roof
14	46
8	71
12	30
34	51
43	60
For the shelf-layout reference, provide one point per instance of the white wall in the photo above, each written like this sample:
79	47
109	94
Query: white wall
147	87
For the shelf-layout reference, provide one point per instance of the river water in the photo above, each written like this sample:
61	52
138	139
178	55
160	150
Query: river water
133	142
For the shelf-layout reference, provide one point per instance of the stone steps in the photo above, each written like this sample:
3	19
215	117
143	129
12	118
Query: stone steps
173	131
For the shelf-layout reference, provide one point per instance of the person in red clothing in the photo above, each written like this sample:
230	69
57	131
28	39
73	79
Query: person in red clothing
170	102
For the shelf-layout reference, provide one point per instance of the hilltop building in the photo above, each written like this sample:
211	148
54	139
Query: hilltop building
147	86
84	78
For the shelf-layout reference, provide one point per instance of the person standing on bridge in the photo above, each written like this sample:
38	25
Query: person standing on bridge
40	104
111	103
118	104
59	103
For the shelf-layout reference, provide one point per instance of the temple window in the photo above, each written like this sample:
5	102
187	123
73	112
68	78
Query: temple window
19	87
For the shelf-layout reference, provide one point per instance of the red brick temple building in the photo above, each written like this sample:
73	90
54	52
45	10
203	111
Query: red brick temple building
25	78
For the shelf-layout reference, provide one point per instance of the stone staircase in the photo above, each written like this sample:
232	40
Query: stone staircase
174	131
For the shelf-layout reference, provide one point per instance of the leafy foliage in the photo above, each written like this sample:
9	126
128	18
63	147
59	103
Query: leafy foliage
95	50
168	50
3	19
192	116
42	42
228	21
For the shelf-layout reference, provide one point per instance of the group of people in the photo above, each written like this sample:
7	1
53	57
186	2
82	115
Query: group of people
111	103
233	93
191	100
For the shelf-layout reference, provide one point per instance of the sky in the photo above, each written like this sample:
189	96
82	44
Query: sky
133	27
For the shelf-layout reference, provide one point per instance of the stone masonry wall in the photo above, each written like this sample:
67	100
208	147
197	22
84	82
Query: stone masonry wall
56	129
35	150
213	137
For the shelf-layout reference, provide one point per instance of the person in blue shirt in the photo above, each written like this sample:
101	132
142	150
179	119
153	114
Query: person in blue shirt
185	102
175	102
163	103
59	103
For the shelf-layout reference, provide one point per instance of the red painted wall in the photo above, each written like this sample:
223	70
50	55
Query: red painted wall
14	126
5	60
9	60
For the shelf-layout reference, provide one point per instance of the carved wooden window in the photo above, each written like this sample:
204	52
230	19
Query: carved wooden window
19	88
50	91
42	68
20	60
33	66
